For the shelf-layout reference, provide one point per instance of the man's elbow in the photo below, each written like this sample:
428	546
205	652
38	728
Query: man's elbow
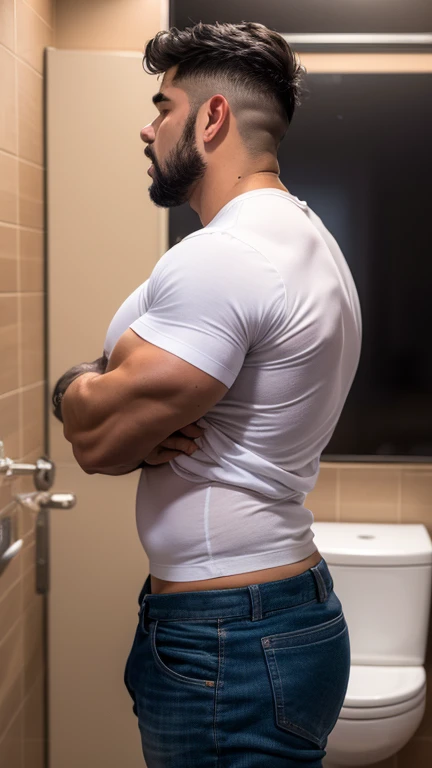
82	457
94	464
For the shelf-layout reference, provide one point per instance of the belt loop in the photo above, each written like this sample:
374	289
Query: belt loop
320	584
144	615
255	596
146	589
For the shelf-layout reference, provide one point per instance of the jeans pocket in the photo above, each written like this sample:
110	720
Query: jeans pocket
187	652
309	672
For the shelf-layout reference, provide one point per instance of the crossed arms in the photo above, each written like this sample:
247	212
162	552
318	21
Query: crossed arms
115	419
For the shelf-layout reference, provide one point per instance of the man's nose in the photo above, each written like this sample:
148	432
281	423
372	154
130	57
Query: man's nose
147	134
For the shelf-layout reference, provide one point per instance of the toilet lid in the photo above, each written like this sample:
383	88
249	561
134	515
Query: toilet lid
380	686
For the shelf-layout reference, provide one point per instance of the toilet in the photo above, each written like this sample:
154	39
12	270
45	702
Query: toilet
382	574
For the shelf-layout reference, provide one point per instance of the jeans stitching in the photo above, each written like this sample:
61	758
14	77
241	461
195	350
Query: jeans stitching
319	642
219	679
308	630
163	667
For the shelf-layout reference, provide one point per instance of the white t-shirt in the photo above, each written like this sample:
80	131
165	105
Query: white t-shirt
263	300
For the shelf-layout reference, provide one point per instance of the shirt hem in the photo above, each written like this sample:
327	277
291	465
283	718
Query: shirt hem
230	566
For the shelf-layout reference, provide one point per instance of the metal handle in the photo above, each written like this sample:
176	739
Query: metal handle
38	500
43	470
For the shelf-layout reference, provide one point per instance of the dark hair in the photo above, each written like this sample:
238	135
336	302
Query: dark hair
248	56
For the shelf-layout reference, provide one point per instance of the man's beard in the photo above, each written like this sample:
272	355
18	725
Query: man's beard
183	168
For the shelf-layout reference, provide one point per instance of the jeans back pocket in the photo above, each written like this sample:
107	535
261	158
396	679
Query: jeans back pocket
309	672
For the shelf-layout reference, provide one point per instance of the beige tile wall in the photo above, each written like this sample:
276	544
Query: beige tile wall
26	27
379	493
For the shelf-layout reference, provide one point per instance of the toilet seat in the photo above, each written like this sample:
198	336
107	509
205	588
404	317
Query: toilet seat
379	692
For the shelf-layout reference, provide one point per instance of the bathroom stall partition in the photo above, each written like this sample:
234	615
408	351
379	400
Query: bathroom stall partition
104	238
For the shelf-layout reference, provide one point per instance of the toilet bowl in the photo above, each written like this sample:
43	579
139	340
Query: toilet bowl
383	708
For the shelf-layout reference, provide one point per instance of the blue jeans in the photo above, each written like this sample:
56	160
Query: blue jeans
252	677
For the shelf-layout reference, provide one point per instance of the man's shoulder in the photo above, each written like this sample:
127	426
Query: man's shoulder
208	241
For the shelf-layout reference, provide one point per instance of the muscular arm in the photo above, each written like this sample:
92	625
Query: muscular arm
98	366
118	418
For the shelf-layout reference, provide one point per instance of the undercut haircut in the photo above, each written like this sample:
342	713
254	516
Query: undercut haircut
252	66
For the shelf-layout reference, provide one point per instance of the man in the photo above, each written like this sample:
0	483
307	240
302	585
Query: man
251	327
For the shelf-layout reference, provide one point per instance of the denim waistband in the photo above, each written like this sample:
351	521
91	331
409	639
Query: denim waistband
252	601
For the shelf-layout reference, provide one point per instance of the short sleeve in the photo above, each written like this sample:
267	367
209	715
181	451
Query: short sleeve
132	307
202	304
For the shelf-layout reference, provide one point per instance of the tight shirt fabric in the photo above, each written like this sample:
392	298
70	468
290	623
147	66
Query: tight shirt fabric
263	300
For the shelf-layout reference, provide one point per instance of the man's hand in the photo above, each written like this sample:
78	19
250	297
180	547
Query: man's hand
175	445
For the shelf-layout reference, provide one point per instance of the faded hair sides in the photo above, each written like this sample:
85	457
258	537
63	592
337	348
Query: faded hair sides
251	65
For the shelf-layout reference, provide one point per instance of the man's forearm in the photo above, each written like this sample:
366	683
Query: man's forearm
71	382
116	471
76	422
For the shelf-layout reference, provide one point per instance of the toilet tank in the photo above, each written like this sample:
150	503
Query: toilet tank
382	575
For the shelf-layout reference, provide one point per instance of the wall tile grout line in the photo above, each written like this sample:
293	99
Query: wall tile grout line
21	160
18	712
21	293
11	722
13	585
377	465
12	628
38	16
26	388
12	225
338	510
18	58
399	497
8	727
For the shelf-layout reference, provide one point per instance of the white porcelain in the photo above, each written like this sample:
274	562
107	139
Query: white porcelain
365	742
376	687
380	713
382	575
374	543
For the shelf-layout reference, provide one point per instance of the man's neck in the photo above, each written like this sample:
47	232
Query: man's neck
212	194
